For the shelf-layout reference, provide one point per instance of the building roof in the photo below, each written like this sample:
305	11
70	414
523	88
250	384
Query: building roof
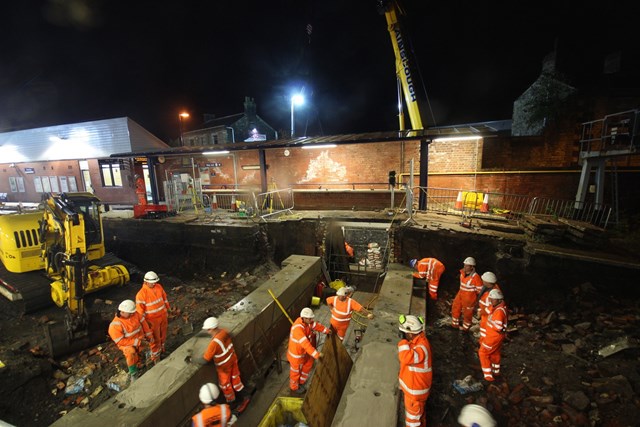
476	129
88	140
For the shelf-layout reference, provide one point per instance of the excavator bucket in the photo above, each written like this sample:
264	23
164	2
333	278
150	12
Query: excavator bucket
60	342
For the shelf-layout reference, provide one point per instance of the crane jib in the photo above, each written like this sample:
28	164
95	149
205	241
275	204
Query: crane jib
405	65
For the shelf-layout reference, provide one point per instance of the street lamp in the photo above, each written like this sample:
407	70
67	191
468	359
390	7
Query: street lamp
296	99
181	116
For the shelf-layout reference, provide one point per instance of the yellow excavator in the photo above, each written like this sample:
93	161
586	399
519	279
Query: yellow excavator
57	254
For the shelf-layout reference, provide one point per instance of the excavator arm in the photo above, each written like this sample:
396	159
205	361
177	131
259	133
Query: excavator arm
71	237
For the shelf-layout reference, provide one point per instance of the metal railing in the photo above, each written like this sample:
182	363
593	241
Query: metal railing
475	203
274	202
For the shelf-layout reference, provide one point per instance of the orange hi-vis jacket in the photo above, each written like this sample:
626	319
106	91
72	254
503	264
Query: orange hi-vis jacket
300	339
221	350
341	310
484	307
152	302
415	367
217	415
495	327
470	287
129	332
430	269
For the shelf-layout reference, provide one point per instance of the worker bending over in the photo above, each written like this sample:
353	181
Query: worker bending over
302	353
220	350
428	270
465	300
212	414
151	302
496	327
415	378
342	306
128	330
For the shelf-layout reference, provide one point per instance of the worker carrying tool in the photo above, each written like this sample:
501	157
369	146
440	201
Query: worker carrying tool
488	283
415	378
491	344
301	353
427	271
151	302
465	300
212	414
220	350
128	330
342	306
475	416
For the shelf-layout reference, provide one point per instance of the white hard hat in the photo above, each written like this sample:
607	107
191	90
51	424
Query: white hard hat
475	416
127	306
307	313
208	393
412	263
343	291
469	261
489	277
151	277
210	323
411	324
496	294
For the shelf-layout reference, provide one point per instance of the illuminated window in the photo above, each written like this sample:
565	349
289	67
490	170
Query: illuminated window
110	172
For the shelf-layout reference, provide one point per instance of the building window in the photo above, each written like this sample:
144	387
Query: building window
215	138
111	173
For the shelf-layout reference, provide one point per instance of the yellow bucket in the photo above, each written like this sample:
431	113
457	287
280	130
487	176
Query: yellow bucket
315	301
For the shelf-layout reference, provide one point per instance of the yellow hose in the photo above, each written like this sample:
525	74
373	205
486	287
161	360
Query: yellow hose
280	305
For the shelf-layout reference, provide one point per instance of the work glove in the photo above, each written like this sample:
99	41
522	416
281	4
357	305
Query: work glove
232	421
370	316
320	356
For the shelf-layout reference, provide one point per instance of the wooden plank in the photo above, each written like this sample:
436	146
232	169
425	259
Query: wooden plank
329	380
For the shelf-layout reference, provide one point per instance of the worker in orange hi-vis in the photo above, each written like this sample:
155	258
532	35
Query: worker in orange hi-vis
415	377
301	353
429	270
484	306
220	350
491	344
141	191
151	302
212	414
128	330
465	300
342	306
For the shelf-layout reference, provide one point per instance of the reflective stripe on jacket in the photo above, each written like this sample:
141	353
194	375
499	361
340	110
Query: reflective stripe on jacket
496	326
152	301
129	332
217	415
300	339
220	349
341	310
415	366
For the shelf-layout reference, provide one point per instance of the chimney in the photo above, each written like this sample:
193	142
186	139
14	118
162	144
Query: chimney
249	107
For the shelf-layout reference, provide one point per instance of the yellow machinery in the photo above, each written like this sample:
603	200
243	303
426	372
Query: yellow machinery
392	13
65	242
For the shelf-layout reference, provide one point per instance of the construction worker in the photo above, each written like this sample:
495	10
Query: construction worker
141	191
488	283
496	326
429	270
212	414
475	416
152	304
342	306
220	350
128	330
414	352
465	300
301	353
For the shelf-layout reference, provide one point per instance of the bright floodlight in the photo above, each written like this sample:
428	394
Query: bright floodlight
297	99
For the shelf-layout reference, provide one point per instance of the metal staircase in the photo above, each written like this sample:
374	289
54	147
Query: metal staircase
602	140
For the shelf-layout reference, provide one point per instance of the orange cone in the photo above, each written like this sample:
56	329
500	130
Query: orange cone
234	205
214	202
485	204
458	204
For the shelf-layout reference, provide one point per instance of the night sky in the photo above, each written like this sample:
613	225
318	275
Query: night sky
66	61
